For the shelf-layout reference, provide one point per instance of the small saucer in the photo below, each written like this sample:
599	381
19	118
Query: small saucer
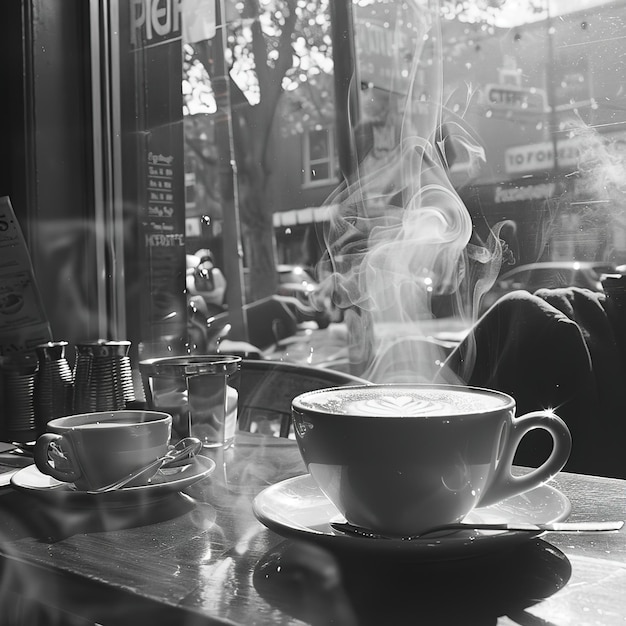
11	462
30	480
297	509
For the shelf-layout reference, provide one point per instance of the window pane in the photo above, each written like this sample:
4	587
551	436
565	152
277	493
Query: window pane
320	171
318	145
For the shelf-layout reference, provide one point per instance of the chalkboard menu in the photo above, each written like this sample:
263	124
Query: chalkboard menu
153	170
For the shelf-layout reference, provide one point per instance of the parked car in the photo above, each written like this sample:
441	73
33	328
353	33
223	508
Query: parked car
295	281
548	274
300	291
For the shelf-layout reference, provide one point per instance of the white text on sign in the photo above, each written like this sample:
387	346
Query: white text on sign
540	156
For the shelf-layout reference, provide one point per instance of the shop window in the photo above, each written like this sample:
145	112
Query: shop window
320	157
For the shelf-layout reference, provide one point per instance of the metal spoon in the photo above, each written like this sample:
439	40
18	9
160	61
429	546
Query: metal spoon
351	529
185	449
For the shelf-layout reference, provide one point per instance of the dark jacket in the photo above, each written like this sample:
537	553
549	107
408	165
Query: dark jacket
563	349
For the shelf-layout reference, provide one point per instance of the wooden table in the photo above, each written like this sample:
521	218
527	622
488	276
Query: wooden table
203	558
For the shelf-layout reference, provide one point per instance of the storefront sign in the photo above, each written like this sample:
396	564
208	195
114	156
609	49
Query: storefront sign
516	98
503	194
540	156
154	21
383	47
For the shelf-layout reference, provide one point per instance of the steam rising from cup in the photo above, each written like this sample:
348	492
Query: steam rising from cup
399	234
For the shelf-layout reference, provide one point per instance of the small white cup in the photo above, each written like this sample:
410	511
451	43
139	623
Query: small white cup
92	450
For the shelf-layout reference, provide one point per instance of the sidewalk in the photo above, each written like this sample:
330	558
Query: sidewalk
329	349
312	346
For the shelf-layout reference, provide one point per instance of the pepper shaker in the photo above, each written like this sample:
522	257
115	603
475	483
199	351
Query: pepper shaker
18	408
54	383
102	376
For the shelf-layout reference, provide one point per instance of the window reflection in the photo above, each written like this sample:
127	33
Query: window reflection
320	157
530	128
530	124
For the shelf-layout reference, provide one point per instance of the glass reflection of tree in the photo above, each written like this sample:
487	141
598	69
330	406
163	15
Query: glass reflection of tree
275	49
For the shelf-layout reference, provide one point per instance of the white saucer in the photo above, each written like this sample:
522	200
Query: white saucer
297	509
10	464
30	480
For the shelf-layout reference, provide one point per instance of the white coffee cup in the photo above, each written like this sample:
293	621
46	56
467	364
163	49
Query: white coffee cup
398	459
92	450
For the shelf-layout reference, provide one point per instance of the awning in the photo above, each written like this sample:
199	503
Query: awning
307	215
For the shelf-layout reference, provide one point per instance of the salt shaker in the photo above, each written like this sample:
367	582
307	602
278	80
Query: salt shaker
120	361
54	383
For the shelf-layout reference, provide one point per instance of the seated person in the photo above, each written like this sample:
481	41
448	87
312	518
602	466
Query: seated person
563	349
205	279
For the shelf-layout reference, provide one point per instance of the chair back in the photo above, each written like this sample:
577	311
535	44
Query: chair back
266	389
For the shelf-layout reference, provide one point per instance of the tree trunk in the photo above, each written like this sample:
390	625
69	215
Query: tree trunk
261	259
251	141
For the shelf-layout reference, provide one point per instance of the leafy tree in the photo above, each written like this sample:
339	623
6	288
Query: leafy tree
490	11
274	46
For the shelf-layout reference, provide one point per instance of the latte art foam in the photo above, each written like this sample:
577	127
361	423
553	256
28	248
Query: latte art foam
391	406
399	401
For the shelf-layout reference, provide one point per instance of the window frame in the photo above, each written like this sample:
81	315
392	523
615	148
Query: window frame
308	164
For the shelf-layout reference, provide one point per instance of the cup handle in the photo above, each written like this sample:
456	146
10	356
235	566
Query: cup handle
42	459
504	484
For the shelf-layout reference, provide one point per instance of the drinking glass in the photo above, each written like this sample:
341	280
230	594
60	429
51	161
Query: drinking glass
200	392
